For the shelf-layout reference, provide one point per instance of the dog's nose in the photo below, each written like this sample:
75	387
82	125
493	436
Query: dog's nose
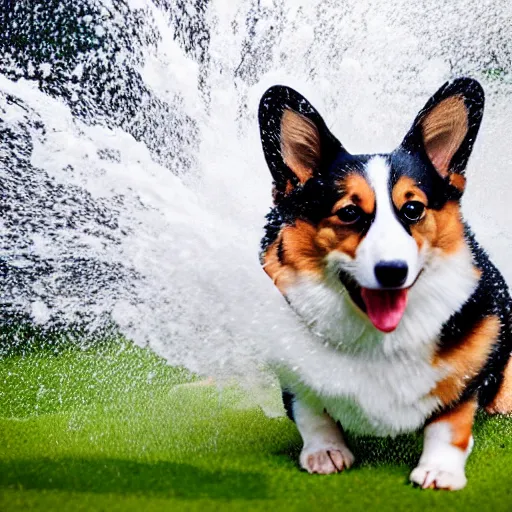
391	273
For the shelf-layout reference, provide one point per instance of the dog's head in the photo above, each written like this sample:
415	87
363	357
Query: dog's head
372	221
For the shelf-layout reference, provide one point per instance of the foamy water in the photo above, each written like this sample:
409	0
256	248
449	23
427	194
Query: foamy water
153	217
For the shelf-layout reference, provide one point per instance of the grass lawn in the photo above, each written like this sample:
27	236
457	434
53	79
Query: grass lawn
117	429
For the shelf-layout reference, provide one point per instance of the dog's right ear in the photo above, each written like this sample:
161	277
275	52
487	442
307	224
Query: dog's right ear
296	142
445	129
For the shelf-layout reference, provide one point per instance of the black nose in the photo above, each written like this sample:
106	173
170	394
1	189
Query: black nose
391	273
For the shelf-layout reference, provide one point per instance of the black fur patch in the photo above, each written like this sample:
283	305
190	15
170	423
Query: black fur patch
280	252
288	399
312	201
491	298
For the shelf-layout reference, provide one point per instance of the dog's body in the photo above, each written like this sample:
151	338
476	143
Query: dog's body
414	322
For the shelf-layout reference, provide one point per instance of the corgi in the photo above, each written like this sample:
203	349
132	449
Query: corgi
412	319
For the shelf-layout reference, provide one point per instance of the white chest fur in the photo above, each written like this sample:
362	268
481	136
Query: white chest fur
373	382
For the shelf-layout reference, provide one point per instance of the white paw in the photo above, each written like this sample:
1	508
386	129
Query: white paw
326	460
437	478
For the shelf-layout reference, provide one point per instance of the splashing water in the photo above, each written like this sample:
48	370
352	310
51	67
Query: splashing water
134	187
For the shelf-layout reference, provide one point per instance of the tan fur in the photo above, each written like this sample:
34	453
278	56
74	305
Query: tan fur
442	229
356	190
334	235
461	419
406	190
465	360
299	248
299	254
305	246
282	276
449	228
444	129
300	144
458	181
502	403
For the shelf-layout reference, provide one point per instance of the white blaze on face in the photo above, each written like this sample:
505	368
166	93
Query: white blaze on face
386	240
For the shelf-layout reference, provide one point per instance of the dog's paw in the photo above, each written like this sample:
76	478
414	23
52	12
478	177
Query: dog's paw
326	460
430	477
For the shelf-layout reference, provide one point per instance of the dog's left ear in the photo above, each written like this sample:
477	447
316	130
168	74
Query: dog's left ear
446	128
296	141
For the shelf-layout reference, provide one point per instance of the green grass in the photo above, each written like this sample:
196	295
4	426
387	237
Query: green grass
115	428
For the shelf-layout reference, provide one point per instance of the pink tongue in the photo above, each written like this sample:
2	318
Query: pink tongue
385	308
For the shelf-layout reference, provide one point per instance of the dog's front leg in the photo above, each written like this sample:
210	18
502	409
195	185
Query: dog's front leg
447	444
324	450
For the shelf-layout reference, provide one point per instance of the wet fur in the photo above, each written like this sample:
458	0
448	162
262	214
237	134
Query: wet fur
453	346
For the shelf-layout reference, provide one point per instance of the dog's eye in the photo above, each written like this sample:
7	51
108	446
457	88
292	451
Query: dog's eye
349	214
412	211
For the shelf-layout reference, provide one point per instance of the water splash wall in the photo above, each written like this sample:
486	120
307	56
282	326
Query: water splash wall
133	183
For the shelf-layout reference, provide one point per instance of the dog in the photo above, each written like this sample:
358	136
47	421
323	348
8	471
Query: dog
413	321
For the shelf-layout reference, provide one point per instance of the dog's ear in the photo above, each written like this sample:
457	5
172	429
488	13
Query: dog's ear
446	128
296	142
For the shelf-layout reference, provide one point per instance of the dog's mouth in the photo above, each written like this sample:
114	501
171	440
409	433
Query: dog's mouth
385	307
